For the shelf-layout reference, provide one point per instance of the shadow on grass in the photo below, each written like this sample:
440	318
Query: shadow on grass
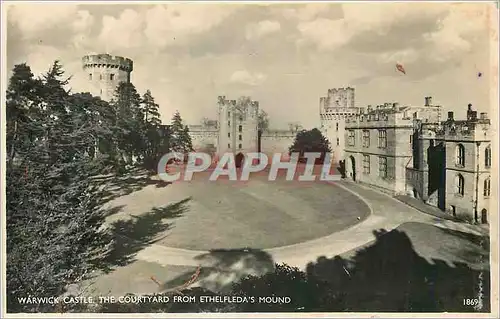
389	276
386	276
114	186
132	235
222	267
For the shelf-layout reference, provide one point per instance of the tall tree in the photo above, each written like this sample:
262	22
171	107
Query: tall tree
263	120
129	122
153	139
54	217
180	140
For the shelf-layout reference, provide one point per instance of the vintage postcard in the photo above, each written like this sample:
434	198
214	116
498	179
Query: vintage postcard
285	159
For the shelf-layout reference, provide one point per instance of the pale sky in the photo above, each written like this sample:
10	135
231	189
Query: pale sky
286	56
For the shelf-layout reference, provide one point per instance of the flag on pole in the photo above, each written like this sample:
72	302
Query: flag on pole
400	68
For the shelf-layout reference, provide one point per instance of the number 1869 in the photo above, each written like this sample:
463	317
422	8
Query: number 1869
471	302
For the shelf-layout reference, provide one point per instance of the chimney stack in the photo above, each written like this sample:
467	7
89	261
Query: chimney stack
471	115
450	116
428	101
483	116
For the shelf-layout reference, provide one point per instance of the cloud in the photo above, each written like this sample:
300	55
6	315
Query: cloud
258	30
170	24
325	33
35	19
307	12
124	32
247	78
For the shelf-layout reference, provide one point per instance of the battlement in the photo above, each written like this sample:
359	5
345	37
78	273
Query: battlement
338	97
340	90
107	61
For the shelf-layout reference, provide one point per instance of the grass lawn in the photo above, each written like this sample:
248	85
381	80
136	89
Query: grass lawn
229	215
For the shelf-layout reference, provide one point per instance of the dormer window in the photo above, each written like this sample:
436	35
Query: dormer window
111	76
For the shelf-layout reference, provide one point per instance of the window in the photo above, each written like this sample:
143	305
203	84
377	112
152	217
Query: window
338	141
239	146
382	167
487	187
228	134
111	76
228	113
366	164
351	137
487	157
228	145
90	76
241	118
228	123
336	126
101	91
460	153
100	76
411	138
382	138
240	128
239	137
366	138
459	183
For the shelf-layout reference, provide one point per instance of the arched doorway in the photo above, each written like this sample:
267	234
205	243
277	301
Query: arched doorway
239	159
353	168
484	216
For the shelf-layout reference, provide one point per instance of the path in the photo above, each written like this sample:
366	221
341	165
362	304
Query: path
387	213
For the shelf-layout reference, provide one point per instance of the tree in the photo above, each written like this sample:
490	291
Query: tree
263	120
310	141
152	122
180	140
129	123
54	215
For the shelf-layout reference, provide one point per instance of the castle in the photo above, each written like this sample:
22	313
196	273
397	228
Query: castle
235	129
402	150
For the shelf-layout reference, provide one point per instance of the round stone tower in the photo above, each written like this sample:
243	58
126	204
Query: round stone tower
104	72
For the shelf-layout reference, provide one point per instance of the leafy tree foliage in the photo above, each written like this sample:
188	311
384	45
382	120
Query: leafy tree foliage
57	142
53	212
154	141
310	141
180	140
263	120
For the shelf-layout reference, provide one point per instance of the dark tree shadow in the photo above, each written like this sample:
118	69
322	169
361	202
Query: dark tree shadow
132	235
222	267
113	185
385	276
389	276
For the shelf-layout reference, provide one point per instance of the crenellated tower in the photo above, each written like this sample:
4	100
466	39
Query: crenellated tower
104	72
334	109
238	125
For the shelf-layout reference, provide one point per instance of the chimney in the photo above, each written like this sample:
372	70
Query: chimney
471	115
450	116
428	101
483	116
369	108
395	105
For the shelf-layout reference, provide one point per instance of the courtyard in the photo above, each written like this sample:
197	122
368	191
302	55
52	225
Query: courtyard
229	230
223	214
